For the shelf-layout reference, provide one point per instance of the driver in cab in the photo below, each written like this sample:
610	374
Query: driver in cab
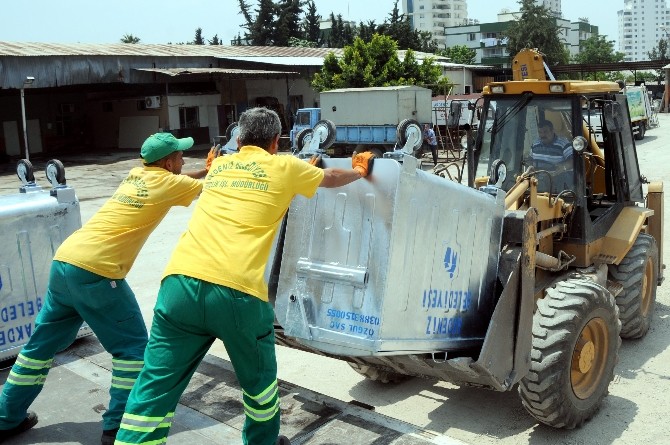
551	152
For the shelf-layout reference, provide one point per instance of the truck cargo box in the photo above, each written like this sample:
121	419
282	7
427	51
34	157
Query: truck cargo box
376	105
403	262
33	224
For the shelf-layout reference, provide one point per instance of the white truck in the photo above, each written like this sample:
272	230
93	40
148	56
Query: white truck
366	119
639	106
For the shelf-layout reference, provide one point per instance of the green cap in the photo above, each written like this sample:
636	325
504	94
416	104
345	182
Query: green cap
159	145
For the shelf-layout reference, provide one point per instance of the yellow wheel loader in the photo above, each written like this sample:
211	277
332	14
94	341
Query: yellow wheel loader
527	278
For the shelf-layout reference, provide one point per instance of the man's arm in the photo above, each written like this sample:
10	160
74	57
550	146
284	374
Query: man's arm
361	166
199	174
337	177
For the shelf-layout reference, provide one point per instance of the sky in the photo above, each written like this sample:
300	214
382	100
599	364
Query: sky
168	21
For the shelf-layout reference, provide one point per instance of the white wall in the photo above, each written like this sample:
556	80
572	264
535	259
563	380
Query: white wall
207	111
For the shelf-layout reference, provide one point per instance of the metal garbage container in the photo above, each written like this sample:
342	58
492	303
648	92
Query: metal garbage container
404	262
33	223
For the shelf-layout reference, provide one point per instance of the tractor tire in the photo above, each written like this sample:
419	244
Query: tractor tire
378	375
637	272
575	348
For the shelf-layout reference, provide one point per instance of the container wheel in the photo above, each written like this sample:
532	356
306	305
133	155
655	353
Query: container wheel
229	131
405	129
331	132
378	375
637	272
303	138
575	348
640	131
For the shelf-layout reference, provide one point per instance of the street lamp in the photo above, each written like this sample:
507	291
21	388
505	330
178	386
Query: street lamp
26	84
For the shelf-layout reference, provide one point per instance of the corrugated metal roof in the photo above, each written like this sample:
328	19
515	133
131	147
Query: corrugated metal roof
27	49
232	71
293	61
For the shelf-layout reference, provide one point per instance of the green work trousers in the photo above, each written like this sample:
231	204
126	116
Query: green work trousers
189	315
110	309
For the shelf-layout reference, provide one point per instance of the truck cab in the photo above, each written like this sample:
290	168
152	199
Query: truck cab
304	118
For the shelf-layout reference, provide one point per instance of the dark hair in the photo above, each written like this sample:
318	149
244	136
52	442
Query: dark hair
545	123
259	126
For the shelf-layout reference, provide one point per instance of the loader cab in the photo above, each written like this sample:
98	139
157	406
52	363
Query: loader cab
532	128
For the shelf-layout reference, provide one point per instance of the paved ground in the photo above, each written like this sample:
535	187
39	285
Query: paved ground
633	413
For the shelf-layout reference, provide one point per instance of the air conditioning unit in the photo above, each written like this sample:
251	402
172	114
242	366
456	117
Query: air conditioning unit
152	101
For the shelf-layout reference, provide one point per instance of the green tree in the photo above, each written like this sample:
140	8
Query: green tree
302	43
336	36
597	49
536	28
459	54
215	40
374	63
129	38
659	53
288	22
312	25
198	39
260	27
367	30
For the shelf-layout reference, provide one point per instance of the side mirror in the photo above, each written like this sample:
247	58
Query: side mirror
613	117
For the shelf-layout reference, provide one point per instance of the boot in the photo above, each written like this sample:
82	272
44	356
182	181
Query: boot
283	440
27	423
108	436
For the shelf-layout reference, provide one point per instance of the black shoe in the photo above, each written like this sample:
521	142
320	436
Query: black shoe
283	440
108	436
29	422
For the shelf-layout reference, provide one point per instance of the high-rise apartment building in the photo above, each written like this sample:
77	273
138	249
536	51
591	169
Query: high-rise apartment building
552	5
434	15
642	23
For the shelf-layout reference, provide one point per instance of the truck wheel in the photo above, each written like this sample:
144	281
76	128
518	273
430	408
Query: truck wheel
378	375
637	272
303	138
640	132
331	132
575	348
405	129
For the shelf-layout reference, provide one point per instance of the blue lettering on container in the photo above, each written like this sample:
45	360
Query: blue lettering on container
23	331
450	261
448	300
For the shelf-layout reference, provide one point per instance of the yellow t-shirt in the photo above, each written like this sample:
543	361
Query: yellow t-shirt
244	198
110	241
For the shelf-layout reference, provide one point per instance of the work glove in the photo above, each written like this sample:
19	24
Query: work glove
315	161
213	153
362	162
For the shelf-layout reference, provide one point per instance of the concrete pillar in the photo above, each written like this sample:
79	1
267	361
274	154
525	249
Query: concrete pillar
666	95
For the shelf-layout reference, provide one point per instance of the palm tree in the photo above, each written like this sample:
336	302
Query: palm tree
129	38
